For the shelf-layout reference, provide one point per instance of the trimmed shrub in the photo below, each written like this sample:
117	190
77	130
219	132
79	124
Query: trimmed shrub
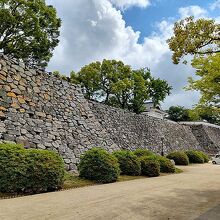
166	166
205	156
45	170
128	162
97	164
142	152
149	166
179	157
194	156
23	170
13	167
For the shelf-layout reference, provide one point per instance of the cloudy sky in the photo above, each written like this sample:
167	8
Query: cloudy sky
134	31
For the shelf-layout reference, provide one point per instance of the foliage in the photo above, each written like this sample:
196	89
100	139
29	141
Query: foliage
45	171
116	84
179	157
178	113
200	38
159	89
59	75
208	69
199	113
195	37
149	166
29	30
204	156
166	166
129	163
205	113
97	164
194	156
143	152
31	170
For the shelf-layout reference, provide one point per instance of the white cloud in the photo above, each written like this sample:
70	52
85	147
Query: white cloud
193	10
98	31
124	4
94	29
215	5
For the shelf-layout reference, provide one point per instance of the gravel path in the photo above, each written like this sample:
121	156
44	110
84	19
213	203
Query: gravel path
194	194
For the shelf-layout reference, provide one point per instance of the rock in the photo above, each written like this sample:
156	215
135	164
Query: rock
2	115
36	90
21	100
40	114
11	94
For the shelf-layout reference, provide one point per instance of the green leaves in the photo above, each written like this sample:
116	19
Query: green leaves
200	38
194	37
178	113
116	84
29	30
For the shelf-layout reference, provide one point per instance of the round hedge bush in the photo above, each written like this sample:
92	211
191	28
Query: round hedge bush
142	152
166	166
97	164
205	156
194	156
179	157
128	162
149	166
31	171
45	170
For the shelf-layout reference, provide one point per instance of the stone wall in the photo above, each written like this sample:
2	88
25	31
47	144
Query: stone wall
208	135
129	130
45	112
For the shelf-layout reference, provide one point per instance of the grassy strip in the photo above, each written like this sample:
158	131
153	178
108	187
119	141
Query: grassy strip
178	170
73	181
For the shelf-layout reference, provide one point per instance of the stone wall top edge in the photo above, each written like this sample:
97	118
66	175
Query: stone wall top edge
37	70
199	123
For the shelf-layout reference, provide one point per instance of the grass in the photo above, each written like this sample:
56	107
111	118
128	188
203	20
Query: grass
178	170
73	181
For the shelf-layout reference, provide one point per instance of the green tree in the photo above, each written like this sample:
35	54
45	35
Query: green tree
89	78
140	90
159	89
208	69
200	38
116	84
195	37
178	113
205	113
29	30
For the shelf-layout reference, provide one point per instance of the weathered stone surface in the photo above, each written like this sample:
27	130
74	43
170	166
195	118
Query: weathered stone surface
45	112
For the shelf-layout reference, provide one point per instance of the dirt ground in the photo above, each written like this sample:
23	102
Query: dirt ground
193	194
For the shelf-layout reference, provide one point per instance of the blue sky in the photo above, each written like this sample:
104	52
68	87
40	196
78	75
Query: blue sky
134	31
144	19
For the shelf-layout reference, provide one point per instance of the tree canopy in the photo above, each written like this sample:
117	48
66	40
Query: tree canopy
29	30
116	84
200	38
195	37
178	113
200	113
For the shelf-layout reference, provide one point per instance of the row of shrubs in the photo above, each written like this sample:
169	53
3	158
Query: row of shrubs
190	156
29	170
33	171
101	166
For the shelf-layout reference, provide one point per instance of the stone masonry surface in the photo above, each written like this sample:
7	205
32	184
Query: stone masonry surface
45	112
131	131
